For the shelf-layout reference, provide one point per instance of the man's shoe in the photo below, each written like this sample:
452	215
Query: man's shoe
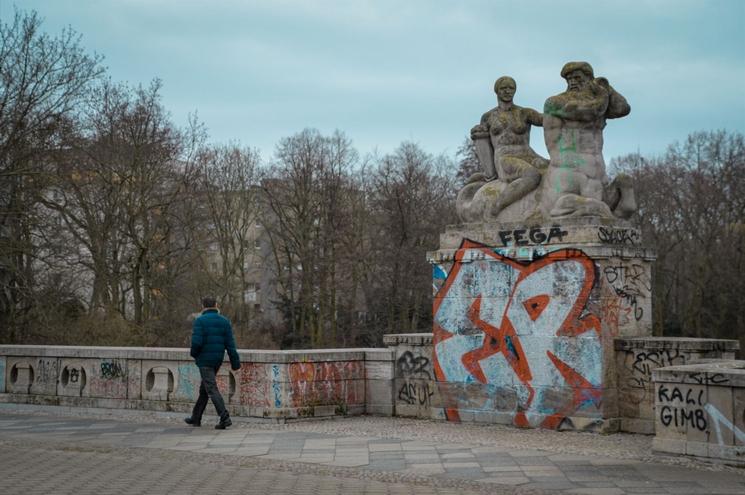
192	422
223	424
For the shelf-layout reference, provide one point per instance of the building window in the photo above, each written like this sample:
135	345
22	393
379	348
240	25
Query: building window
251	294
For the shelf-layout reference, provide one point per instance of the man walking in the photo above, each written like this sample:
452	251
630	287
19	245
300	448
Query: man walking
211	336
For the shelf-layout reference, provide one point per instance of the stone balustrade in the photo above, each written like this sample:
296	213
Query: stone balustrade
631	405
700	410
636	360
689	392
270	384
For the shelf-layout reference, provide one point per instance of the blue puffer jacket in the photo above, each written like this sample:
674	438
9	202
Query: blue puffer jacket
211	336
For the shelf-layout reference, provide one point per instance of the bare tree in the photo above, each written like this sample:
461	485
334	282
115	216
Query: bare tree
305	194
42	79
118	187
468	161
692	211
412	200
230	189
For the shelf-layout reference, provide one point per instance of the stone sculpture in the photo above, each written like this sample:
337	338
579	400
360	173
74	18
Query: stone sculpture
576	183
519	185
511	168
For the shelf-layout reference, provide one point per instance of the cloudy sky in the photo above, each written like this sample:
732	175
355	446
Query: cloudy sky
416	70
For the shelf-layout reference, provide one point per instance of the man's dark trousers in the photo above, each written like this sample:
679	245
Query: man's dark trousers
208	390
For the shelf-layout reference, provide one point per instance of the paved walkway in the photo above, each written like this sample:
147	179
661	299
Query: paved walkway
45	453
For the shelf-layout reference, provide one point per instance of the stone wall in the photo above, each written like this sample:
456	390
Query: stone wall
525	317
700	410
637	358
417	393
270	384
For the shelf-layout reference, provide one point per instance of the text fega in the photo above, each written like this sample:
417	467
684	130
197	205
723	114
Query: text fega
536	235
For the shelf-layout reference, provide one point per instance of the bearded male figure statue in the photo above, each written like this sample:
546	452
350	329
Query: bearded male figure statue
576	183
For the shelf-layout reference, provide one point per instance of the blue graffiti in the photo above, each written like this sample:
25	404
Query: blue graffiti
276	388
188	381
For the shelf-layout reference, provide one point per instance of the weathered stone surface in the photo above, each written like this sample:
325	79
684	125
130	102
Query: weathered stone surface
637	358
2	374
576	183
699	410
270	383
511	169
516	184
532	335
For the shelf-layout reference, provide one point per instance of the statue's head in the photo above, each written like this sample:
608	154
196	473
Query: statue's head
505	88
577	75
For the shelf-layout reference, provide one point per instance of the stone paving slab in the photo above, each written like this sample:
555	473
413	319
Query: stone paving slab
455	464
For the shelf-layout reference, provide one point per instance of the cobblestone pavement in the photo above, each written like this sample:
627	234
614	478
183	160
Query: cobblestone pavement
43	452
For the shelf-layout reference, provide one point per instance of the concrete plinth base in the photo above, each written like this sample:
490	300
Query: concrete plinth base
525	317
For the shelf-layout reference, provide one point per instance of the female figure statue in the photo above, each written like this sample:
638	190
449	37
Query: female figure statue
502	142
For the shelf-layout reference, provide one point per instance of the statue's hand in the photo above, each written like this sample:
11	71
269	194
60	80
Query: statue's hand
603	82
479	131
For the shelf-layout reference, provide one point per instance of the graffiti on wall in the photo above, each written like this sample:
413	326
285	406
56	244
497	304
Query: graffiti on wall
327	382
109	379
631	283
506	325
720	421
254	389
686	407
276	386
639	364
188	382
112	369
414	383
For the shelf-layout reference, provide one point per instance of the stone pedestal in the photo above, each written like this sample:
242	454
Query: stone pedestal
525	317
700	410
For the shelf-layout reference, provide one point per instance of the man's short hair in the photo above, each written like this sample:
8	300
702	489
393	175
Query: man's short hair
209	302
572	66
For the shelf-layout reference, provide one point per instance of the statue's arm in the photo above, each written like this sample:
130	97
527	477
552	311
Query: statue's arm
485	119
617	104
534	117
586	108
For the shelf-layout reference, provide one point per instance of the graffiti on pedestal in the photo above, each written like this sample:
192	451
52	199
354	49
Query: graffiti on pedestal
521	326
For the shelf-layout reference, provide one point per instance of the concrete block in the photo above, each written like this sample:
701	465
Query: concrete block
738	406
416	392
489	417
159	382
642	426
466	415
20	375
73	378
411	339
379	392
720	411
108	377
3	378
134	379
697	449
669	445
255	384
379	370
405	410
46	373
379	409
330	410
